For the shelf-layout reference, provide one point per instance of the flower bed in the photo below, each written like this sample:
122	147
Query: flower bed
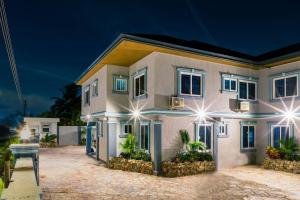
139	166
174	169
282	165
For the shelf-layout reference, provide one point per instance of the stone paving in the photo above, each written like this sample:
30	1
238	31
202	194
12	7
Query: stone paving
67	173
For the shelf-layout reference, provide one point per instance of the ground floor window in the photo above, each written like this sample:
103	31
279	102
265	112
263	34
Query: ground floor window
144	137
205	135
127	129
248	137
279	133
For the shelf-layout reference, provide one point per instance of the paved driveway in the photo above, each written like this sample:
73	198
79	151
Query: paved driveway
67	173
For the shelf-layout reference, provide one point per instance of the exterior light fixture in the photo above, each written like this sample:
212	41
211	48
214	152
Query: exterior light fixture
88	117
136	113
290	115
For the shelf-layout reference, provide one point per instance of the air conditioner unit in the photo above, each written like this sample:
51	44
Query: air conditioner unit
176	102
244	106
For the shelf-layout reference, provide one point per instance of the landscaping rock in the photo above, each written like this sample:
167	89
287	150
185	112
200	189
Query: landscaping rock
282	165
139	166
173	169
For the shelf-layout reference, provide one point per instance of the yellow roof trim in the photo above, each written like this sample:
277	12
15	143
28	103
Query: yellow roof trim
127	52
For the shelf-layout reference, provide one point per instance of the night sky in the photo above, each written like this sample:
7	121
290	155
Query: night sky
54	41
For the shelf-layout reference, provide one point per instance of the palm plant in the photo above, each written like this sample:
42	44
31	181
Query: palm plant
288	148
185	138
129	144
195	146
67	107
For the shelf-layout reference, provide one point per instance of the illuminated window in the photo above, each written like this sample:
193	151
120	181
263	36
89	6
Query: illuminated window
285	86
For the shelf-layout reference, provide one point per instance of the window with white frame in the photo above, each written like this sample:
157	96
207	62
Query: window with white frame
279	133
144	137
95	88
127	129
285	86
204	134
121	84
222	129
230	84
190	84
247	90
87	95
247	136
139	85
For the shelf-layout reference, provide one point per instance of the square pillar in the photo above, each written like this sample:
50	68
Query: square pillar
111	140
157	147
89	138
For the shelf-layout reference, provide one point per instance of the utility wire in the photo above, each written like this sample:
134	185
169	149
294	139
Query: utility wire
10	52
9	49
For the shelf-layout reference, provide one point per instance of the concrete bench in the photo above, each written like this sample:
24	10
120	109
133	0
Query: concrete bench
23	182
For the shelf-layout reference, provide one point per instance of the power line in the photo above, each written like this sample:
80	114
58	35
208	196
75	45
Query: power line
9	49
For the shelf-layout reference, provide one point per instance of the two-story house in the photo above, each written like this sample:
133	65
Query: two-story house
154	86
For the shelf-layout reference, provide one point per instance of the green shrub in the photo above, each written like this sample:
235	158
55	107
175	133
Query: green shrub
129	144
125	155
192	156
195	146
1	185
136	155
141	155
7	155
272	152
288	148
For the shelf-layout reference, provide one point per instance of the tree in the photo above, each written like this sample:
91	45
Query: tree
67	107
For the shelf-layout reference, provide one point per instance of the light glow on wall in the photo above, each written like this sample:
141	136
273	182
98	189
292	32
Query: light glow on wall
25	133
287	114
201	112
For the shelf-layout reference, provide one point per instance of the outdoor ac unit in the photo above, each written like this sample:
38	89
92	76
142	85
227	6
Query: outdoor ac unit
176	102
244	106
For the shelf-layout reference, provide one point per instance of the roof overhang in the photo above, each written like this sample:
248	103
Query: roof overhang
128	49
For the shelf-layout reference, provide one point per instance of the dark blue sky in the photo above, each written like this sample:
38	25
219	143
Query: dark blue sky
55	40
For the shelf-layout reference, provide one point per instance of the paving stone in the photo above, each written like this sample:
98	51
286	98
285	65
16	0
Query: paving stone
67	173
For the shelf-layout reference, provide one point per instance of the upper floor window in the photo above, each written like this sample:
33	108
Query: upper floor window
95	88
247	90
248	137
120	83
86	99
190	82
139	85
285	86
230	84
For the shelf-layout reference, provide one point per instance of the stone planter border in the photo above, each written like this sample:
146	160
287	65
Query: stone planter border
282	165
139	166
172	169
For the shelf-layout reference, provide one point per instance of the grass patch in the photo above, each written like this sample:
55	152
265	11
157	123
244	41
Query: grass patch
1	185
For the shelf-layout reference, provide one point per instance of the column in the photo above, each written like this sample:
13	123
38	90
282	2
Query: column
88	138
157	147
111	140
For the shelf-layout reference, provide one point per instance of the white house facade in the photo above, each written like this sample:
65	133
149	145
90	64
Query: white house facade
40	126
154	86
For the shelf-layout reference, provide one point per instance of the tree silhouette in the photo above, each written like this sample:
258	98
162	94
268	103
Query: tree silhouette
67	107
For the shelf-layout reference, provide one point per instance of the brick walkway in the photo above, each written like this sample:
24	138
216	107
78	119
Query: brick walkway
67	173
